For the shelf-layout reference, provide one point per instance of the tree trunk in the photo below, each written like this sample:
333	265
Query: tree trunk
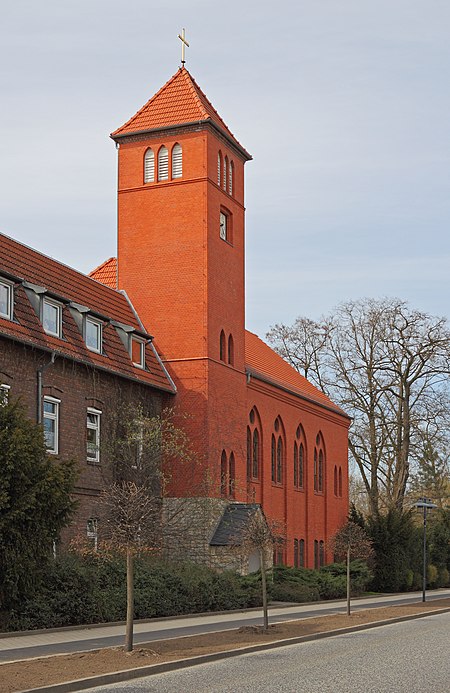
348	580
264	590
130	602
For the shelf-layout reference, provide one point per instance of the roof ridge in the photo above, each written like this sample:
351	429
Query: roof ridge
58	262
96	269
152	98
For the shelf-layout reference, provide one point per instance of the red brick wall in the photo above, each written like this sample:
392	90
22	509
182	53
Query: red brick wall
77	387
188	285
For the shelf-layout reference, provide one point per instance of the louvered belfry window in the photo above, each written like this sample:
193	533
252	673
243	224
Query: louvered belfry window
219	167
230	178
225	172
163	164
177	161
149	166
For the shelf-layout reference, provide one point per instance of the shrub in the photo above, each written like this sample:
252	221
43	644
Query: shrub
443	578
432	575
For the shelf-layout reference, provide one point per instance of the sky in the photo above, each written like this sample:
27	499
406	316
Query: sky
343	104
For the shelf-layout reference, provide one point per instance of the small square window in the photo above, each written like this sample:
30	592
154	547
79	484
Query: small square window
51	424
6	300
93	334
223	226
52	317
138	352
93	435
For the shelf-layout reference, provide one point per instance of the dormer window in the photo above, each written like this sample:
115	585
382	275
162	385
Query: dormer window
6	300
52	317
93	334
138	352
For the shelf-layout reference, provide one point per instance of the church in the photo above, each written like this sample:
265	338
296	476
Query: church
166	319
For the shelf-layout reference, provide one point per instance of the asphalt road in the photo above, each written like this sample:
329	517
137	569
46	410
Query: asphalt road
21	646
402	658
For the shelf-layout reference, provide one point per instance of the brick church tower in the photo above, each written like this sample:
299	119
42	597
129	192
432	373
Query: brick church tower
181	262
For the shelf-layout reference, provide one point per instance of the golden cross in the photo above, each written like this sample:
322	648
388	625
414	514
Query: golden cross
183	44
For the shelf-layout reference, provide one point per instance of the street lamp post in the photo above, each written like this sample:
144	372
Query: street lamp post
425	504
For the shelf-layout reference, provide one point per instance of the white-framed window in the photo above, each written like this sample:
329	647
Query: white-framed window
177	161
92	531
138	352
4	394
93	435
149	166
52	317
50	421
6	299
163	164
93	334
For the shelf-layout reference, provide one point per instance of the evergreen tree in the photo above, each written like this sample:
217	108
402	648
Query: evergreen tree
35	504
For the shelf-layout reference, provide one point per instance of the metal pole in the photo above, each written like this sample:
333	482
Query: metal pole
424	552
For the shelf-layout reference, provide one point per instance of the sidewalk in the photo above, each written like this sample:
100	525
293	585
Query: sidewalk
74	672
20	645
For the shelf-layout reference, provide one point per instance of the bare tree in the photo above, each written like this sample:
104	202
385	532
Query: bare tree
388	367
260	536
351	542
143	457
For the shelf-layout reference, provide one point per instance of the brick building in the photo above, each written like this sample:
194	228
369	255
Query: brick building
263	433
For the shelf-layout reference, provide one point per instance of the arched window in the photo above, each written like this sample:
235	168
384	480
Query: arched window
319	464
177	161
230	178
301	558
219	168
301	466
225	173
321	554
255	466
295	464
320	480
299	458
231	476
253	446
335	481
222	346
280	460
278	452
273	458
340	481
230	350
149	166
316	553
249	453
223	474
163	164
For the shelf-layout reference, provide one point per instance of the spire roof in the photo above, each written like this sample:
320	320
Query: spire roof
178	102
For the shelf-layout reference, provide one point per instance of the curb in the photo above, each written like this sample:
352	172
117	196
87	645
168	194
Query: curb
141	672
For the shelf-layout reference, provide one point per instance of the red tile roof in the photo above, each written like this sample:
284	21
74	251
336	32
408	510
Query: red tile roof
264	362
20	263
260	359
178	102
106	273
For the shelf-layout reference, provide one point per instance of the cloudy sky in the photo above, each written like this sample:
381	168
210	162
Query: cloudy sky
344	105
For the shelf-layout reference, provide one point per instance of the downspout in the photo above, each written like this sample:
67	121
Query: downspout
39	373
